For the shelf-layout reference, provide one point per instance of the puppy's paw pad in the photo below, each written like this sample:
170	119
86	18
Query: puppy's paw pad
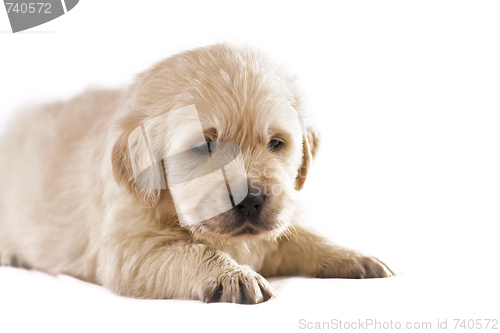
242	286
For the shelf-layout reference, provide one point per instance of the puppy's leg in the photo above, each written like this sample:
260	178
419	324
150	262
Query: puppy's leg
168	265
307	254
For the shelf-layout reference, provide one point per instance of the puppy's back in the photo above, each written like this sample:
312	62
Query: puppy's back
49	158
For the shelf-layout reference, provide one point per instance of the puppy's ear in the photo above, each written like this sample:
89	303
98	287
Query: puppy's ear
310	137
126	175
310	146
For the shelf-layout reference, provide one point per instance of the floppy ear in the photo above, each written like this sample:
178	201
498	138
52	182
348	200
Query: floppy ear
126	175
310	146
310	137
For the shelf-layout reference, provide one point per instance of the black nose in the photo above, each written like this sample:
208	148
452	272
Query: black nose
251	205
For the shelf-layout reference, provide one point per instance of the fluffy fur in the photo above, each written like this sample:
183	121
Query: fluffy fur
69	202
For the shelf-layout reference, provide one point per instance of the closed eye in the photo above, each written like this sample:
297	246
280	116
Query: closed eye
275	144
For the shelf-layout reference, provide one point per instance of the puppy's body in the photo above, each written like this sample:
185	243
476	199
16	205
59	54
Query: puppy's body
53	185
69	202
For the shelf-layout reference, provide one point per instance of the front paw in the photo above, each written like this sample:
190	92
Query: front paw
353	266
241	285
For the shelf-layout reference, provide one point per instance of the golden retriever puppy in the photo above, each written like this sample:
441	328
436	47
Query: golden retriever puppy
78	197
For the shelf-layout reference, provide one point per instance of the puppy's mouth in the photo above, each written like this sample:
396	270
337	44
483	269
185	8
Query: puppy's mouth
247	229
227	232
232	226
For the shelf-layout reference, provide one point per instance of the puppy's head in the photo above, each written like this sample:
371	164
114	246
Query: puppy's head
249	113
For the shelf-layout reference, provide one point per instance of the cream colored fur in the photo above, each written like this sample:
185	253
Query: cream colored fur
69	203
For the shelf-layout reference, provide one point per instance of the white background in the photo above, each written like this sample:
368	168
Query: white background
406	95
